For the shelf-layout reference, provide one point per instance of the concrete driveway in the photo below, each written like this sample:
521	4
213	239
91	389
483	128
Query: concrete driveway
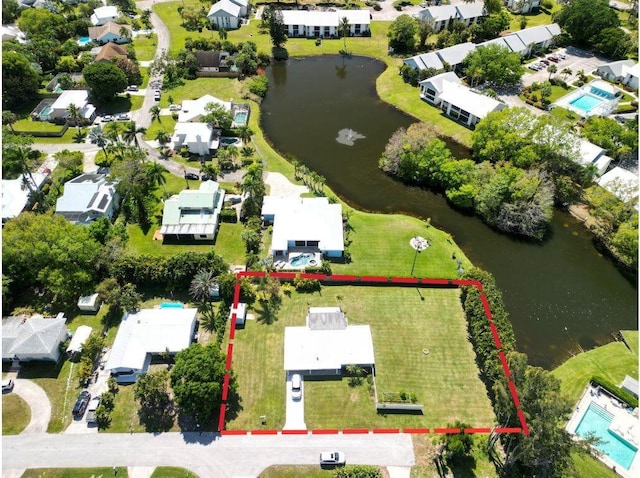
38	402
295	408
207	454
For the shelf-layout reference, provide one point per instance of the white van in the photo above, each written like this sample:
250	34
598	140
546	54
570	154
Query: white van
296	386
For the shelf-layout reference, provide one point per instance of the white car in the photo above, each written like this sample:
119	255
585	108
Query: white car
332	458
296	386
175	107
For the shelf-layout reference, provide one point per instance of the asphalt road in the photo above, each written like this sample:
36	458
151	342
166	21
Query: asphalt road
207	454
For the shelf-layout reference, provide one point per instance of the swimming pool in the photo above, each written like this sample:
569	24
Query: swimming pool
596	422
304	260
586	102
240	118
229	141
172	305
82	41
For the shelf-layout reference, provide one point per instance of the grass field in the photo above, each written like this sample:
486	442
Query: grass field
145	47
121	472
16	414
587	466
172	472
612	362
445	381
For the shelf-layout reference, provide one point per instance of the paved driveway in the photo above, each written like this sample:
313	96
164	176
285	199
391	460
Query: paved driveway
38	402
207	454
576	60
295	408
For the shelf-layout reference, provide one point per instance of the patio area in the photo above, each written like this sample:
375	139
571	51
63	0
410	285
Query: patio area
299	261
617	426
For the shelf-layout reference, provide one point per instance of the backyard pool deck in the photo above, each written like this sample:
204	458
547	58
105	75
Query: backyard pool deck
624	424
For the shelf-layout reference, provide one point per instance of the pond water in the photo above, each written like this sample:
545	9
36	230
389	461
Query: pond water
561	294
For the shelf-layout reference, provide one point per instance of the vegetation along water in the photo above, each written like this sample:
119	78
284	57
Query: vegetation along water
562	294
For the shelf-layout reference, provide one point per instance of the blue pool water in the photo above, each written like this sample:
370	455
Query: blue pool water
303	260
172	305
596	421
82	41
240	118
229	141
601	93
586	102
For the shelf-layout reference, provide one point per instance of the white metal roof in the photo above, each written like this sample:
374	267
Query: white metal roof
620	182
101	14
589	152
304	219
437	81
534	35
80	336
630	384
454	55
514	43
69	97
424	61
192	133
468	11
150	331
87	192
461	96
307	349
438	13
192	110
227	6
15	193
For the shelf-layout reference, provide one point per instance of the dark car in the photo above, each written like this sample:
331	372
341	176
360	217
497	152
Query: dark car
205	177
191	176
123	117
81	403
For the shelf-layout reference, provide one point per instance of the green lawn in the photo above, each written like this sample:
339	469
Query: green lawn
121	472
223	88
445	381
612	362
145	47
564	114
166	123
587	466
172	472
121	104
291	471
390	254
16	414
27	125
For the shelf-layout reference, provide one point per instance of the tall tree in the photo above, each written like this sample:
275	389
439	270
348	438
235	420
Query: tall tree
20	81
75	115
155	172
97	137
495	65
154	111
344	29
425	29
131	133
9	119
585	19
105	80
552	68
402	34
277	28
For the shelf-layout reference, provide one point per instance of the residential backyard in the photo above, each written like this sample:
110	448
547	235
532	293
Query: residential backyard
404	322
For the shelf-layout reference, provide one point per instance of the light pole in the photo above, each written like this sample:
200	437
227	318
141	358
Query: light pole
419	244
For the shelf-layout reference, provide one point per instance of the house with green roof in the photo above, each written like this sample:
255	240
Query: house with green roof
193	214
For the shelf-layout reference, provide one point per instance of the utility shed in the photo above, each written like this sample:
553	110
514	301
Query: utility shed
240	312
89	303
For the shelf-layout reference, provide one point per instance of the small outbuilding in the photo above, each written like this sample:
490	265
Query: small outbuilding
89	303
630	384
240	312
78	339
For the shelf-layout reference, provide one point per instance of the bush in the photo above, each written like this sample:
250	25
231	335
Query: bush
306	285
377	7
229	215
548	4
259	85
615	390
358	471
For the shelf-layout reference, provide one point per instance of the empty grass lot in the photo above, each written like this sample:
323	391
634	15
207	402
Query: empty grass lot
445	381
121	472
16	414
145	47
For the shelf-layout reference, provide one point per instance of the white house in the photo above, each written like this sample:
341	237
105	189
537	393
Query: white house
146	333
538	38
200	138
327	343
424	61
455	55
631	75
15	193
439	16
316	24
12	32
621	183
590	153
111	32
80	98
310	223
34	338
193	214
469	13
522	6
460	103
88	197
193	110
432	88
228	14
103	15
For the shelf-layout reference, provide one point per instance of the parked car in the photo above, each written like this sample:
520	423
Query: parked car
191	176
553	59
123	117
91	409
107	118
132	88
296	386
205	177
545	61
562	56
81	403
7	385
156	95
333	458
175	107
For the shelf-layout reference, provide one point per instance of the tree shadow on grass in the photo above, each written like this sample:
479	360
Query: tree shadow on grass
265	316
157	419
463	467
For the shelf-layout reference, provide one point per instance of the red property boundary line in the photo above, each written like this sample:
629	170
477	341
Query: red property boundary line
376	281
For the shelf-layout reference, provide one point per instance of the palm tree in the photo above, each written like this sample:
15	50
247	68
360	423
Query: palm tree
296	168
131	133
321	180
125	32
154	111
344	28
211	170
201	289
566	72
74	114
97	137
247	151
245	133
155	173
552	69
